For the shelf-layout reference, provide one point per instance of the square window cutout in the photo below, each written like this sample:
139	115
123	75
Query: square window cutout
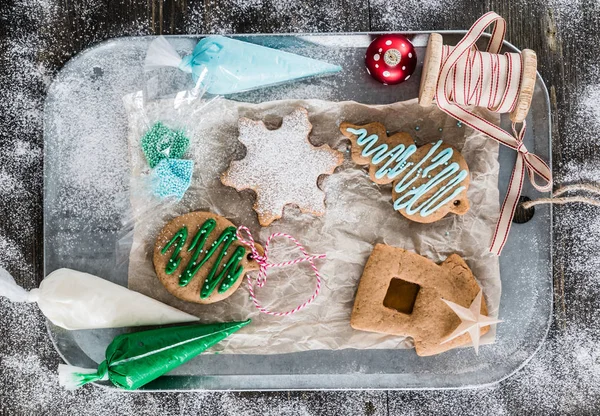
401	295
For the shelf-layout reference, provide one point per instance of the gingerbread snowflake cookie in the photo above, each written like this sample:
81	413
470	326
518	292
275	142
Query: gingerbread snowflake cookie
282	166
428	181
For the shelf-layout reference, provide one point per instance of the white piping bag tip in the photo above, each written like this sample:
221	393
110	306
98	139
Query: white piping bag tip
161	54
10	289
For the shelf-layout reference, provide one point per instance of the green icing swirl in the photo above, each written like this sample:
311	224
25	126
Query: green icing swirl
231	269
174	261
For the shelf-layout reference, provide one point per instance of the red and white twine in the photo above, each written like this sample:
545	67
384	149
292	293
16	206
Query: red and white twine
263	261
468	78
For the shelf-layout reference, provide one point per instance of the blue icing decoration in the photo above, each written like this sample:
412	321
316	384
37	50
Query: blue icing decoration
174	177
398	154
449	177
233	66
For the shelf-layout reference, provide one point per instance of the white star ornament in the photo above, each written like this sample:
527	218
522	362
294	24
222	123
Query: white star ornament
471	321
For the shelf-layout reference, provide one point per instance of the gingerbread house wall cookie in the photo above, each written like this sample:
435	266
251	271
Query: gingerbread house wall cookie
401	293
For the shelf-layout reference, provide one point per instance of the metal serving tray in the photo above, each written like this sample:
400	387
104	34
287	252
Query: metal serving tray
82	226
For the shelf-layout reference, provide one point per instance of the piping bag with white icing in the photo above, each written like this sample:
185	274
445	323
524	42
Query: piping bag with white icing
76	300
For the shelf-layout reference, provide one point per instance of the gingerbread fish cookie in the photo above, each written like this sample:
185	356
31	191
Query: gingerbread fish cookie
428	181
198	258
402	293
282	166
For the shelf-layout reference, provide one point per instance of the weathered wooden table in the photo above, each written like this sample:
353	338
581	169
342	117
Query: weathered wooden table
38	36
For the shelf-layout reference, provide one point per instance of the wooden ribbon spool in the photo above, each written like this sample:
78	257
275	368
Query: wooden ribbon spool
431	70
459	78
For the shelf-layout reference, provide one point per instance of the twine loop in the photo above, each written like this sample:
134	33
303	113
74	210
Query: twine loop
263	262
559	199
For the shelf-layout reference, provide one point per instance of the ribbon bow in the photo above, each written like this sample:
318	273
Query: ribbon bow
469	77
263	261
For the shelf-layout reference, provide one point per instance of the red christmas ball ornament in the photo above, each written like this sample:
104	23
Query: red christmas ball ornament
391	59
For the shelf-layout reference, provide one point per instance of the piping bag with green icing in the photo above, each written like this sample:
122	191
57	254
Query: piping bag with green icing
133	360
227	66
76	300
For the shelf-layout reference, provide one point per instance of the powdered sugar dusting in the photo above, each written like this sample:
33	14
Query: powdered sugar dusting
395	15
562	378
10	255
281	166
590	100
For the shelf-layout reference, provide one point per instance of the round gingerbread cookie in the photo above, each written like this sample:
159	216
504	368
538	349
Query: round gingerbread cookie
198	258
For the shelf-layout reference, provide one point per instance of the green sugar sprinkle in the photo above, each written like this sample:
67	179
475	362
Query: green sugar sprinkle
161	142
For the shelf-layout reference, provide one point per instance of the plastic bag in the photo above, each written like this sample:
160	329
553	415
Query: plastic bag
165	161
76	300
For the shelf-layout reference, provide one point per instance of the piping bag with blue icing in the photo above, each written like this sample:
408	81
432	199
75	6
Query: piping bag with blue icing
228	66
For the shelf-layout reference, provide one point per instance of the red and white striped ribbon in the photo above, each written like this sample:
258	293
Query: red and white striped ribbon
263	261
469	78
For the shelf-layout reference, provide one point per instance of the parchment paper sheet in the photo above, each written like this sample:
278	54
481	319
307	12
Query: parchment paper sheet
359	213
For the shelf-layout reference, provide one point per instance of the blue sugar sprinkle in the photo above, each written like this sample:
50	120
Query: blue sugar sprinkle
174	177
